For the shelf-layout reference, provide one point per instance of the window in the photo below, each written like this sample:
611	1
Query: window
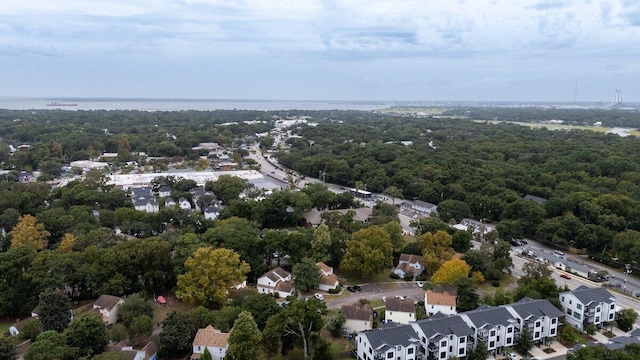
390	355
563	299
410	351
509	330
462	340
537	323
492	344
443	343
577	316
493	333
613	306
598	309
579	306
461	351
370	350
569	312
509	341
398	348
552	332
450	348
443	355
553	321
570	302
597	319
537	335
610	316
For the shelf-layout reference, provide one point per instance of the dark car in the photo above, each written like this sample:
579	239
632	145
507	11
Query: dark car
350	288
565	276
357	288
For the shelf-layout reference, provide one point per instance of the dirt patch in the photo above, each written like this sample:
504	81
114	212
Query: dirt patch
162	311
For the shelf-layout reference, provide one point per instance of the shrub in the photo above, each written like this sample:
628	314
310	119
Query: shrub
590	329
336	290
394	276
495	283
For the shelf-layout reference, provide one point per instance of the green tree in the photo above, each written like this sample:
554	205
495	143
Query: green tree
243	338
210	274
7	349
262	305
626	319
307	275
321	243
436	249
334	322
467	297
17	292
206	355
88	334
524	342
55	310
141	326
177	335
227	187
133	307
394	193
368	252
479	353
50	345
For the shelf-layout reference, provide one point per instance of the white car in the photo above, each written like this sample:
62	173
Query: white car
512	356
318	296
420	284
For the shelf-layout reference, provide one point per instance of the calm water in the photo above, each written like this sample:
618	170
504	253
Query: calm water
185	104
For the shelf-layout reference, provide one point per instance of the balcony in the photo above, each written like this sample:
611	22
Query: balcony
482	336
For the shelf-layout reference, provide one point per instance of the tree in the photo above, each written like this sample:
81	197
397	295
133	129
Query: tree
50	345
307	275
450	272
334	322
133	307
88	334
28	232
262	305
141	326
55	310
17	292
524	342
206	355
296	325
227	187
243	338
368	252
436	249
177	335
626	319
7	349
479	353
467	298
210	274
321	243
394	193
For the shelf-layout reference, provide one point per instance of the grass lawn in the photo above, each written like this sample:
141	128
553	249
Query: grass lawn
508	282
161	312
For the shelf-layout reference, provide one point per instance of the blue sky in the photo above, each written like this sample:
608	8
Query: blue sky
520	50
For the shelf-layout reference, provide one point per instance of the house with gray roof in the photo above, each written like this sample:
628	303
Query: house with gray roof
146	204
278	281
445	336
538	316
586	305
494	326
393	342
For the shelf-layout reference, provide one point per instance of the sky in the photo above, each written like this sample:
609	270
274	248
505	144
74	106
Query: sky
402	50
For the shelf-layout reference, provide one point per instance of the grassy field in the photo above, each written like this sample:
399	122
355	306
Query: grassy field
599	129
352	279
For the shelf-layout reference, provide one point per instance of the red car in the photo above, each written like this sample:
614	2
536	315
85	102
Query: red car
565	276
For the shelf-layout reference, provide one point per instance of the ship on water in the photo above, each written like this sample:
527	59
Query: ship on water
58	103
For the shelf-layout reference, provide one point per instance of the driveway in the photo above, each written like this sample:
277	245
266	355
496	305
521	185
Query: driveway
375	291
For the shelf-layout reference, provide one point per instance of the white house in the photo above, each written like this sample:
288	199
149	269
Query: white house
277	280
585	305
184	203
539	317
107	306
495	326
425	208
400	310
358	317
439	302
328	280
148	352
211	212
444	336
164	191
393	342
146	204
215	340
409	263
168	202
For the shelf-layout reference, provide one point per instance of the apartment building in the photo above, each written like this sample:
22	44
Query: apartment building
584	306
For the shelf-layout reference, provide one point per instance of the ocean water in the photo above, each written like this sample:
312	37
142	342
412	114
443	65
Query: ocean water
185	104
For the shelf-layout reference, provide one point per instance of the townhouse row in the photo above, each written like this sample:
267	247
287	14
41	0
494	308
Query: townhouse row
443	336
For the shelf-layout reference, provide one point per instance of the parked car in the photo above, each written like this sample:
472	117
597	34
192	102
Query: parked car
565	276
512	356
638	294
420	284
318	296
351	289
358	288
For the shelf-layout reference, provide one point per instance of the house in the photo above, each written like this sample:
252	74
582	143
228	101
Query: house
148	352
393	342
184	203
425	208
536	199
439	302
164	191
144	191
146	204
108	305
277	280
328	280
24	176
496	327
400	309
585	305
538	316
211	212
409	263
215	340
358	317
169	202
444	336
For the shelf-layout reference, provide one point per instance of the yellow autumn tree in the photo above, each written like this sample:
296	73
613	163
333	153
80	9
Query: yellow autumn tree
209	276
450	272
67	242
436	249
29	232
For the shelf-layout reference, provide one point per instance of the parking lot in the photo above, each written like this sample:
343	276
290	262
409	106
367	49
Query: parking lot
375	292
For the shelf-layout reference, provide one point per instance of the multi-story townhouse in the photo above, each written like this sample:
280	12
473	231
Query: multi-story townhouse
444	336
585	305
538	316
495	326
400	309
393	341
